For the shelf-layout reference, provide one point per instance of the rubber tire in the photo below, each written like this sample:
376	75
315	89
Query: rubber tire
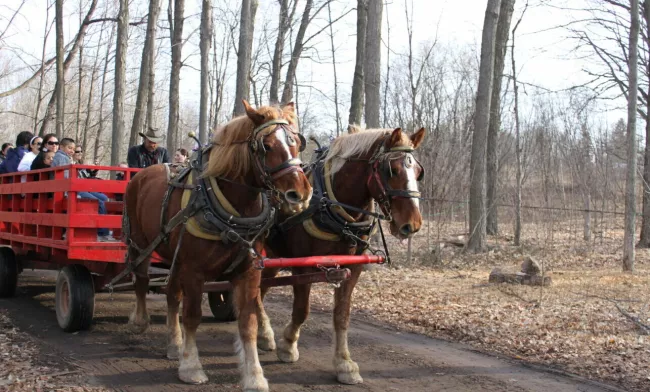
8	273
222	306
80	298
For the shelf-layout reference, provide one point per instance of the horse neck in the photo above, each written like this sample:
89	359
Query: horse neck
350	187
247	202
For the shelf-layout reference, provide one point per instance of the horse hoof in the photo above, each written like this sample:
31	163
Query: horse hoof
266	344
259	384
288	352
192	376
138	325
349	378
173	352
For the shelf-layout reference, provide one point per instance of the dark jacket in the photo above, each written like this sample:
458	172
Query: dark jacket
139	157
14	156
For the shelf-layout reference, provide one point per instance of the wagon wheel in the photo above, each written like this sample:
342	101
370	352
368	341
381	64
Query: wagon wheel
75	298
8	273
221	305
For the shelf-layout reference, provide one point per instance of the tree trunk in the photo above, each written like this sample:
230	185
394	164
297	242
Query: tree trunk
77	133
100	129
372	66
39	94
146	66
89	103
120	83
244	52
517	239
356	100
176	28
206	40
477	233
630	183
276	65
47	118
60	72
500	49
644	241
287	92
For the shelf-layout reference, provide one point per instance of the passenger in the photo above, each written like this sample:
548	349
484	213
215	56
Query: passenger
50	143
15	155
180	156
5	149
43	160
78	158
64	154
148	153
35	147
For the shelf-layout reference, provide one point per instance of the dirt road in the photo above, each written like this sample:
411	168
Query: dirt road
111	356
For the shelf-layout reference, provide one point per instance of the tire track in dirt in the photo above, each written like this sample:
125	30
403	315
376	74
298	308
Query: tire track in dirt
111	356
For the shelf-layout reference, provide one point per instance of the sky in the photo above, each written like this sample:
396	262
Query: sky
544	55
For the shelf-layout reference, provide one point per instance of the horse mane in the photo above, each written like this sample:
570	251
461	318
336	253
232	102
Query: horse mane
231	156
356	143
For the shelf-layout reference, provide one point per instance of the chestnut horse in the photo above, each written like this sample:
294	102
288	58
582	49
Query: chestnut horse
359	167
250	156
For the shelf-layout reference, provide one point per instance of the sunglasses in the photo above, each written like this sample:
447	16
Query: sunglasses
52	143
38	144
78	152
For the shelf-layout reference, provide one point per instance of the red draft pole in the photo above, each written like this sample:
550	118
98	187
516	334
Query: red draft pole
322	261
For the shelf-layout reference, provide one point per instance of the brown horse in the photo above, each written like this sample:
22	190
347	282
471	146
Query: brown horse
250	156
359	167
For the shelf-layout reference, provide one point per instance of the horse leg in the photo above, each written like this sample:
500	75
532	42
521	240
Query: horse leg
174	333
190	370
247	293
265	335
347	371
288	344
139	318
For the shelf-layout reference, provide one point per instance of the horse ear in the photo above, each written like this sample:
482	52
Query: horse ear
417	137
395	137
257	118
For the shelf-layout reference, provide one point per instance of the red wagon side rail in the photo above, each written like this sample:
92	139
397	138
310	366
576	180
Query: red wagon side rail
42	215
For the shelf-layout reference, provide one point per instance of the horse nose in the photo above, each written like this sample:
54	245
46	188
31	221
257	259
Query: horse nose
292	196
407	229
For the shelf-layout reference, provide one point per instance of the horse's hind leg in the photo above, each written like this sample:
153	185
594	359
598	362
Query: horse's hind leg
139	318
174	333
265	335
190	369
247	293
347	371
288	343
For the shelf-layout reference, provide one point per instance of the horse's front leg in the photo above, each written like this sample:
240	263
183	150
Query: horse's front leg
139	318
174	298
265	335
190	369
247	294
347	371
288	343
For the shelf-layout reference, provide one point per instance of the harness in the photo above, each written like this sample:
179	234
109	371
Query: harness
327	219
203	210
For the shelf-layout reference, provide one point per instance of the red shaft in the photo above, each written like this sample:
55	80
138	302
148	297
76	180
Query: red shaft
325	261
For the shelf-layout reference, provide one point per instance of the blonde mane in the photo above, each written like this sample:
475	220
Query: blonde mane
356	144
231	156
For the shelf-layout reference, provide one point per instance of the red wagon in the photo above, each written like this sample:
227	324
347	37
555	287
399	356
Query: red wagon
45	225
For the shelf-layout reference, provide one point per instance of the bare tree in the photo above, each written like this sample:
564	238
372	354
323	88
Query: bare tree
206	39
336	80
47	118
102	95
644	240
146	69
477	211
519	179
276	62
39	94
630	183
176	36
244	52
287	91
372	69
60	73
120	82
356	101
503	28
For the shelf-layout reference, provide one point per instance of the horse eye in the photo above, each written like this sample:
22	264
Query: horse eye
267	147
408	161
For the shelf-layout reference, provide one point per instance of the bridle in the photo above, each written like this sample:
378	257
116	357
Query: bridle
382	172
269	174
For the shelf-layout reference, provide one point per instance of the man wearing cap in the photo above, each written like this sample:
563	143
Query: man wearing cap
148	153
